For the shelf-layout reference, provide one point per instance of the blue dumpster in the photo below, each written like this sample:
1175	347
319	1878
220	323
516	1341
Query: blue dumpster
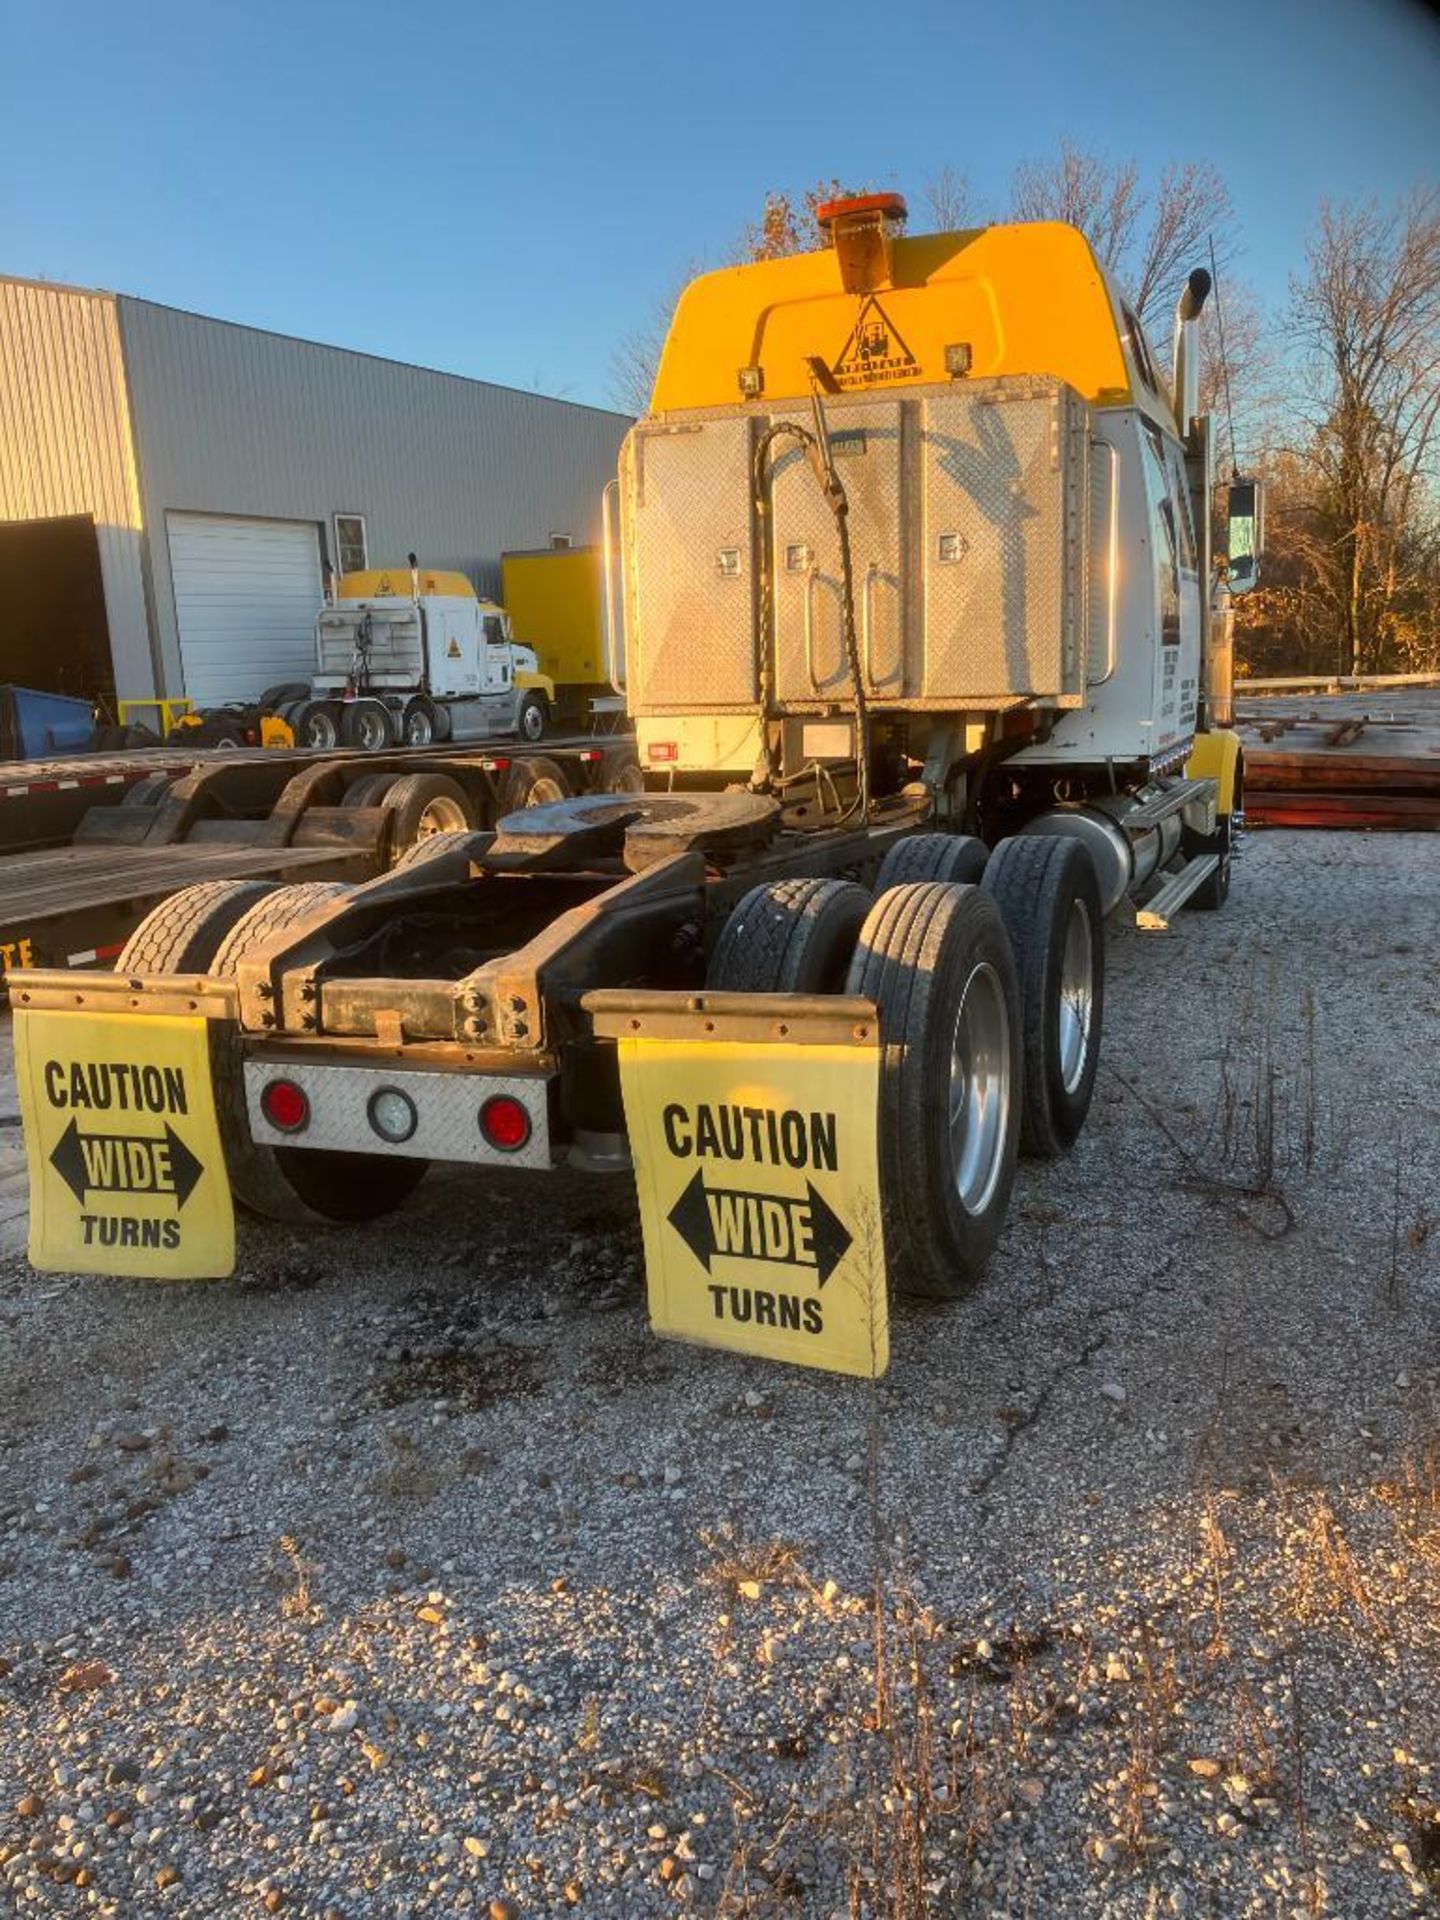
36	725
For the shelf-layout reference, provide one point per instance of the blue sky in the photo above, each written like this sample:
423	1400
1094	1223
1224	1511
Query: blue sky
504	190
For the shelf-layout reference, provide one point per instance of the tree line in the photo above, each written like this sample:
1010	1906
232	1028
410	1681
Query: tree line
1334	399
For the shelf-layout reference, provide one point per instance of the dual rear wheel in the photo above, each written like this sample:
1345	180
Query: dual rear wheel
210	929
990	999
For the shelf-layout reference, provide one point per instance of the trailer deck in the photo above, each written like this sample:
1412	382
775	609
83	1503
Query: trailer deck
257	814
1359	759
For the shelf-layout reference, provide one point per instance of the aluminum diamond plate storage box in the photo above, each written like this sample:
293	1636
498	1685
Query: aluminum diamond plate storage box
1004	473
689	566
968	516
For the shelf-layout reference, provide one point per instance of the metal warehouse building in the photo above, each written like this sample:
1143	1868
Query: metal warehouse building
173	487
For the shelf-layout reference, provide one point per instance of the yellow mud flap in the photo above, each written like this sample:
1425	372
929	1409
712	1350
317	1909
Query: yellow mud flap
752	1123
127	1174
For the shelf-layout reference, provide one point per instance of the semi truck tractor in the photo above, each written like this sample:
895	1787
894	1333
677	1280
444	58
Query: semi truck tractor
414	656
912	559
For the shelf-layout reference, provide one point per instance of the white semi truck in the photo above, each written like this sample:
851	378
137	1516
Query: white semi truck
924	650
416	657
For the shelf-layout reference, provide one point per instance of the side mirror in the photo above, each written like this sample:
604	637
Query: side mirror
1245	516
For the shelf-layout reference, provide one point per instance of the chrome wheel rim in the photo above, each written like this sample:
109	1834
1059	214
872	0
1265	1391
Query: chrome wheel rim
442	815
979	1113
532	722
418	730
320	731
544	792
1077	997
372	730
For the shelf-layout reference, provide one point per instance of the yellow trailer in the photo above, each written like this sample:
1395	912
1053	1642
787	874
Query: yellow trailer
554	598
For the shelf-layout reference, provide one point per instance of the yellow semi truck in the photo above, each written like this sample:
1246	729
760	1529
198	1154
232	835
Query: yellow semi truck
911	555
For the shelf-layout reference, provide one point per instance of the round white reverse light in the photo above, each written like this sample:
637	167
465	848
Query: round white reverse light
392	1114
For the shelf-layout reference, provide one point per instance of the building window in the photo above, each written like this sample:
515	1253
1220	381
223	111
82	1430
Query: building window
351	554
561	540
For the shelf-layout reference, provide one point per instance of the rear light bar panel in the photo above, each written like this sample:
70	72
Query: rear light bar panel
447	1108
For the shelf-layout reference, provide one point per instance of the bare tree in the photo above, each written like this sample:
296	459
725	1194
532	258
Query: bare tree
1104	200
1365	318
1148	237
635	359
1240	377
1352	568
950	201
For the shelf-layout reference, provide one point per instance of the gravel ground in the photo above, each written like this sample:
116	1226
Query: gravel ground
410	1575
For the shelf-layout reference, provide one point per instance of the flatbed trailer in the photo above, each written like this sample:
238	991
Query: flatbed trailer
1366	759
42	802
183	820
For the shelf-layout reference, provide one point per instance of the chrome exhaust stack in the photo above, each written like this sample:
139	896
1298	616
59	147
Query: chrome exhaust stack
1186	396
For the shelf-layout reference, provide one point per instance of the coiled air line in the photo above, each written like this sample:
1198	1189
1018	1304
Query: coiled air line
817	450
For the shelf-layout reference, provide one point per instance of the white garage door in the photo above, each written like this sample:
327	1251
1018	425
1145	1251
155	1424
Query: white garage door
246	596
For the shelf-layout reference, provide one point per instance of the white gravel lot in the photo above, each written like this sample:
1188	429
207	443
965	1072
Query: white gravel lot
411	1576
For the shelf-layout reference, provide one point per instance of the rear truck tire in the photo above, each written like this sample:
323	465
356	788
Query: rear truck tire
621	772
147	792
1049	899
534	781
284	694
280	907
369	790
935	958
367	724
291	1184
789	936
933	856
318	725
184	933
532	717
421	804
420	723
432	847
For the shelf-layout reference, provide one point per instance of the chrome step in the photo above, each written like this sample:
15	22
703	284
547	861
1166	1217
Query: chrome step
1160	909
1183	794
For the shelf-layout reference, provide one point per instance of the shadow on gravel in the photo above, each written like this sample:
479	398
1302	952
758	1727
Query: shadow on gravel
444	1350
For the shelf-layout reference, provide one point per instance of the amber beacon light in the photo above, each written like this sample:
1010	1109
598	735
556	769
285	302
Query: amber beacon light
862	230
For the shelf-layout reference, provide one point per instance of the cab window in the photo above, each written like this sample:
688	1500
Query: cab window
1173	469
494	630
1165	540
1139	348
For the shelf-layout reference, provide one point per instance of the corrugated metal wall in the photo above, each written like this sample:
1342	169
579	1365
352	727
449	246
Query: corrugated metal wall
66	447
230	420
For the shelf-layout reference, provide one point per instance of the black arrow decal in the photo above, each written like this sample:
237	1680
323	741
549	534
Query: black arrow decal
68	1160
185	1170
690	1217
100	1163
829	1234
722	1220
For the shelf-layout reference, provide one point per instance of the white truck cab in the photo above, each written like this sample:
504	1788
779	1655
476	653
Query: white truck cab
432	663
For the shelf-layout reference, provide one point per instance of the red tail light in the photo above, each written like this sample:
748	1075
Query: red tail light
663	750
504	1123
285	1106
